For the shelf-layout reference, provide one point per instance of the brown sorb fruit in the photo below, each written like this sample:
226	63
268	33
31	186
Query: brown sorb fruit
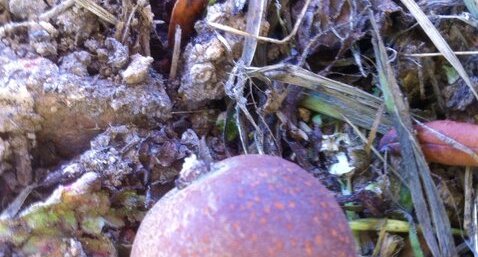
249	206
434	146
185	13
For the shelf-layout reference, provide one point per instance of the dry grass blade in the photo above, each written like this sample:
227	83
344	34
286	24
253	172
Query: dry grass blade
422	55
253	27
237	80
299	76
439	41
337	105
98	10
265	39
128	24
330	97
429	208
373	130
381	236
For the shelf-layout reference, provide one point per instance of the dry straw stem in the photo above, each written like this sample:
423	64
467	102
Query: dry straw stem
328	96
449	141
128	23
474	235
468	223
374	150
393	226
429	208
472	6
97	10
176	52
265	39
438	41
234	87
421	55
379	243
57	10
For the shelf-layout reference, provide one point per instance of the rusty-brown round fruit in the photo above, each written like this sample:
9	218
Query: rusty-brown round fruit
249	206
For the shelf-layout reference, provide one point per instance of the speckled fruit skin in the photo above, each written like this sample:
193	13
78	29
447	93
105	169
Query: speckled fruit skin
250	206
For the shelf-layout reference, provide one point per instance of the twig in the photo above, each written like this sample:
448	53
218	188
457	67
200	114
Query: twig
234	88
469	201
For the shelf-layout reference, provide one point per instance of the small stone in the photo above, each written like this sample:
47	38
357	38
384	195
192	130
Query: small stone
137	70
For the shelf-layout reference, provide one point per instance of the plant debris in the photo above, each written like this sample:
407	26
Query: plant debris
102	105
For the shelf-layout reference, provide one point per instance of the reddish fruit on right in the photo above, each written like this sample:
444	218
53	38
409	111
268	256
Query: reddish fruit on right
434	148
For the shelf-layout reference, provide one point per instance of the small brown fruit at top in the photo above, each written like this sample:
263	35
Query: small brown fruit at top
185	13
441	141
250	205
